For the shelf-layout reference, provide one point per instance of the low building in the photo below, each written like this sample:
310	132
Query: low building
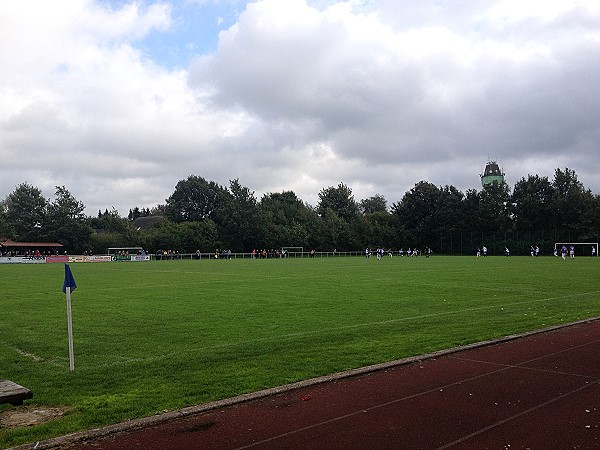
8	247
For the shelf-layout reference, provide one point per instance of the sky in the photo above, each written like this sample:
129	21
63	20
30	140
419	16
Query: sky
119	100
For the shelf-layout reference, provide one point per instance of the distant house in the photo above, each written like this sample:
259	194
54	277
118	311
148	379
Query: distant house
142	223
28	248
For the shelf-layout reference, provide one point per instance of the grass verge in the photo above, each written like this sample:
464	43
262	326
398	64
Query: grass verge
163	335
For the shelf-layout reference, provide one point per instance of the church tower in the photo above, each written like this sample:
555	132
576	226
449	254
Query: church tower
491	174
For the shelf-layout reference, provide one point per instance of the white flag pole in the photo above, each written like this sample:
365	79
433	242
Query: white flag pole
70	328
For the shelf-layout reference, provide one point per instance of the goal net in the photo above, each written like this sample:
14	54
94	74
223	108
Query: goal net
580	248
294	252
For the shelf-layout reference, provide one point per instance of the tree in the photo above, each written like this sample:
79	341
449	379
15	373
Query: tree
570	198
284	208
449	210
380	228
110	221
531	203
374	204
471	210
427	211
337	233
186	237
286	220
339	200
196	199
494	207
67	223
111	230
136	213
4	229
26	213
591	217
416	210
241	230
203	236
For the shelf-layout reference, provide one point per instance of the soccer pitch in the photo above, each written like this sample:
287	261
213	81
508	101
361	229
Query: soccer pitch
161	335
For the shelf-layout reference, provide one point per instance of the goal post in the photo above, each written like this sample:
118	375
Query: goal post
580	248
294	252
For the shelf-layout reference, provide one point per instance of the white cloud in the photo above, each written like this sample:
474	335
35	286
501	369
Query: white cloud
299	95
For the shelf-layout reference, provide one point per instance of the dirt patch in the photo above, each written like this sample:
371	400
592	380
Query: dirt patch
29	416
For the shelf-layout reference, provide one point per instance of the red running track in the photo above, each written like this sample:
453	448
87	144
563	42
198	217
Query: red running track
541	391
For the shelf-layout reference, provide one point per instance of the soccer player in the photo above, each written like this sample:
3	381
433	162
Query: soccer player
572	252
563	252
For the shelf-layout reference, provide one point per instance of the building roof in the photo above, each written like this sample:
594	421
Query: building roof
142	223
492	169
9	243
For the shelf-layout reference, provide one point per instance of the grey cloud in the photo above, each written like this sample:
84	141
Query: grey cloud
430	110
379	97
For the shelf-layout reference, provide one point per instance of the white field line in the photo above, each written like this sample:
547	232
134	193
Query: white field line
63	362
33	356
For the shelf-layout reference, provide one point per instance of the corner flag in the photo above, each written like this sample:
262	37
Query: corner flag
69	280
68	287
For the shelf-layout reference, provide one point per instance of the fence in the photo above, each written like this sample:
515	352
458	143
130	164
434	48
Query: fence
518	242
246	255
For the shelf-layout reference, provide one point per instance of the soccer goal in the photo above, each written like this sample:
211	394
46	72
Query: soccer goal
580	248
294	252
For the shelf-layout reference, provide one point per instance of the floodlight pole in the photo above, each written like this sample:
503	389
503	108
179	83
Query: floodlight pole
70	328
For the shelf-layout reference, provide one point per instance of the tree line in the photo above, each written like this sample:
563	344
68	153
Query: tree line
203	215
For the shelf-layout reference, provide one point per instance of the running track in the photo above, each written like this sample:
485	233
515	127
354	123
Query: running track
538	391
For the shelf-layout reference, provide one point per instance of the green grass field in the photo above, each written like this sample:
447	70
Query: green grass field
158	336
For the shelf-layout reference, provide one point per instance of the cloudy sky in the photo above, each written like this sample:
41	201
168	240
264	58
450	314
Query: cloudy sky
119	100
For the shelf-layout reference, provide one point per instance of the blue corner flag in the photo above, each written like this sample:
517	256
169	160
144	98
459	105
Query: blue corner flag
69	280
